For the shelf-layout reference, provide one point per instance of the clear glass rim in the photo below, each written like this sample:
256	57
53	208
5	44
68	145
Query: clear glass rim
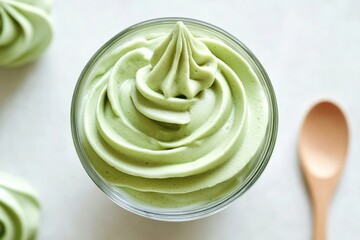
185	215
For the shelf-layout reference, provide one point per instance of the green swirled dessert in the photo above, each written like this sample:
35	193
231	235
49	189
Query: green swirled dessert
173	118
19	209
25	30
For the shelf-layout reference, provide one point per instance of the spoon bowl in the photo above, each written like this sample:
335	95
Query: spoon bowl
323	145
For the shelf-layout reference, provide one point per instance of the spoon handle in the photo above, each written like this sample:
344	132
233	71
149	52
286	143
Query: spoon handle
320	221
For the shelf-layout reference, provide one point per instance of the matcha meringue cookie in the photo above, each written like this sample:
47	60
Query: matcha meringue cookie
25	30
19	209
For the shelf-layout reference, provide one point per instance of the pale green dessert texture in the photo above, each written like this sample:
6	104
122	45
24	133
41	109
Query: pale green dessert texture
25	30
173	119
19	209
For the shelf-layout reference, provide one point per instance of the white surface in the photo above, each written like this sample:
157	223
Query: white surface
311	51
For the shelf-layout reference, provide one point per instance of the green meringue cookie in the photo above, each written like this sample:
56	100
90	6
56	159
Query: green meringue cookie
25	30
19	209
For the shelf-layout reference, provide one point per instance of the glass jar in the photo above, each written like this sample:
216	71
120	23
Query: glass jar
265	100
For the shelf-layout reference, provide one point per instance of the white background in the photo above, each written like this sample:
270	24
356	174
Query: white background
311	51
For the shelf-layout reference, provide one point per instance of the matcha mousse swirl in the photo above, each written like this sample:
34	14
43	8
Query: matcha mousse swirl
166	116
19	209
25	30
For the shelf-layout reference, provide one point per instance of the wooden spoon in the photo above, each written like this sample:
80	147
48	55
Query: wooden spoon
323	147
